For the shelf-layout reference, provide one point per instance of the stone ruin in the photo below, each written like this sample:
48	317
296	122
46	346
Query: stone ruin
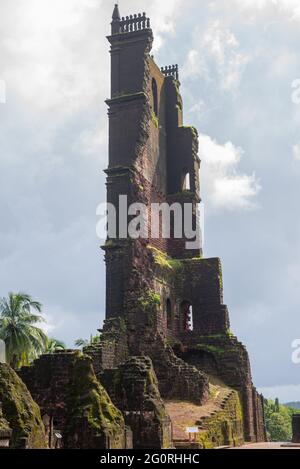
296	429
167	359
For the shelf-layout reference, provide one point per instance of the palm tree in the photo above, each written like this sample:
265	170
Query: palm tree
24	341
54	345
85	342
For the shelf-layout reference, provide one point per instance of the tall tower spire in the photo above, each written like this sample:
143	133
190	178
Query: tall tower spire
116	13
116	18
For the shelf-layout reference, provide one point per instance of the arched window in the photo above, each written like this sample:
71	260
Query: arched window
169	314
155	97
187	316
185	180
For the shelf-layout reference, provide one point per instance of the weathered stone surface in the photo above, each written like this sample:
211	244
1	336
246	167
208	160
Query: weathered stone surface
134	389
223	356
75	404
219	421
296	428
5	430
20	411
169	299
167	332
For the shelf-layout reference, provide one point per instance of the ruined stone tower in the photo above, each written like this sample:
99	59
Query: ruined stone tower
163	299
166	359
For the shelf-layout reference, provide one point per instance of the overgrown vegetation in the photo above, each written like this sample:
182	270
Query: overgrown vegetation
82	343
220	429
149	299
193	130
24	341
90	398
155	119
21	412
19	316
163	260
278	420
54	345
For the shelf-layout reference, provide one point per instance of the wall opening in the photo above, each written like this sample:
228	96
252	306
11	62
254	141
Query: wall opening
155	97
187	316
186	181
169	314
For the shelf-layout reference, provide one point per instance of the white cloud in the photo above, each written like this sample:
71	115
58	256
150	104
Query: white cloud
48	326
225	186
216	52
285	393
163	17
91	141
55	52
49	49
296	151
289	7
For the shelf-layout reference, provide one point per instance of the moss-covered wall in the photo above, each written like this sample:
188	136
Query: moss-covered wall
66	388
134	389
223	356
5	430
92	418
21	412
225	428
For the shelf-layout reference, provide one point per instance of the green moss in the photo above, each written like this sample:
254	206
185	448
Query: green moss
216	336
149	299
138	376
20	410
109	243
163	260
210	348
89	399
221	281
193	130
225	427
177	88
204	439
155	119
4	425
213	390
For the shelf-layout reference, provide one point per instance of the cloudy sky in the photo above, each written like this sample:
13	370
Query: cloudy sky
238	60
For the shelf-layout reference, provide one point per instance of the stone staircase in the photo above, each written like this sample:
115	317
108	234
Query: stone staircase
186	414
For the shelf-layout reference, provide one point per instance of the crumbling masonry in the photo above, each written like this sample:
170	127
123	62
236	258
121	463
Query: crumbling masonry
156	287
167	359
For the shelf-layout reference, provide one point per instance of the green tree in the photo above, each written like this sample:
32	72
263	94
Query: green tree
86	342
54	345
278	421
279	427
24	341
